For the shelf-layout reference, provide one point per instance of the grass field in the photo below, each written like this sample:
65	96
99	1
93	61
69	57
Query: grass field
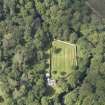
63	58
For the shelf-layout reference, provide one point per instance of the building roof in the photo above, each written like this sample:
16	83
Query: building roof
47	75
51	82
98	6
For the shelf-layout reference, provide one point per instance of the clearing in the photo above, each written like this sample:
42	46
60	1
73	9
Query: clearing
63	57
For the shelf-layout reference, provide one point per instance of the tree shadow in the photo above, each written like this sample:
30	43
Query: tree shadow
50	91
46	56
57	50
63	74
54	72
1	99
47	65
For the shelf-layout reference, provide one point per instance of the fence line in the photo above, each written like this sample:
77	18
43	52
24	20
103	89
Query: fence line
65	42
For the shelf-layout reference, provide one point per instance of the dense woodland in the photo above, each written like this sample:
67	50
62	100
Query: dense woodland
27	29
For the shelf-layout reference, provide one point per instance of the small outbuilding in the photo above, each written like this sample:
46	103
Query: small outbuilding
47	75
51	82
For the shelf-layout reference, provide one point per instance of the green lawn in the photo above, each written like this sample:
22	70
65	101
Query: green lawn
63	58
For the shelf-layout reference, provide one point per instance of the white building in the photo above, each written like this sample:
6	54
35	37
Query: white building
47	75
51	82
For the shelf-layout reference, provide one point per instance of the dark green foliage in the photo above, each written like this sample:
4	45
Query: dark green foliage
27	29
